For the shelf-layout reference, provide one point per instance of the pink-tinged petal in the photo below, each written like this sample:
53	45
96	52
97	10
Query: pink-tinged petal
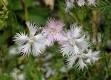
55	24
53	30
59	37
51	38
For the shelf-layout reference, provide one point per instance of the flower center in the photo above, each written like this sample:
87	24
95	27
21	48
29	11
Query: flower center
53	31
72	42
32	39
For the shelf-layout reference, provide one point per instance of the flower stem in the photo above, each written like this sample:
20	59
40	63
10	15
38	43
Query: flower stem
25	10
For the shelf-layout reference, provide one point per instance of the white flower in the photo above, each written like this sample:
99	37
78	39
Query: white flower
81	59
81	2
21	38
69	5
91	2
74	41
21	77
77	60
12	51
92	56
30	43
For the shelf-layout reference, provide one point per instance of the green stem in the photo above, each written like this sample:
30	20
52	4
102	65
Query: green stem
25	10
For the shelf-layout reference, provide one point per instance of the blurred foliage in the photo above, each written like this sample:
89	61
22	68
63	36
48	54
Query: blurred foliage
95	20
3	13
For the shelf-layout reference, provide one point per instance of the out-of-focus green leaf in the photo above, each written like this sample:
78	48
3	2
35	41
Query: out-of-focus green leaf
38	15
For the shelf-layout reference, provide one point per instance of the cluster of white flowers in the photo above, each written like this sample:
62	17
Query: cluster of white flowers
72	42
77	49
70	3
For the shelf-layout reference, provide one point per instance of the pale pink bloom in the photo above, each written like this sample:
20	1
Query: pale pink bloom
53	30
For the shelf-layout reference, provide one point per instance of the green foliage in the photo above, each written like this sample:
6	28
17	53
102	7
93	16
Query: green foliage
12	20
3	13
